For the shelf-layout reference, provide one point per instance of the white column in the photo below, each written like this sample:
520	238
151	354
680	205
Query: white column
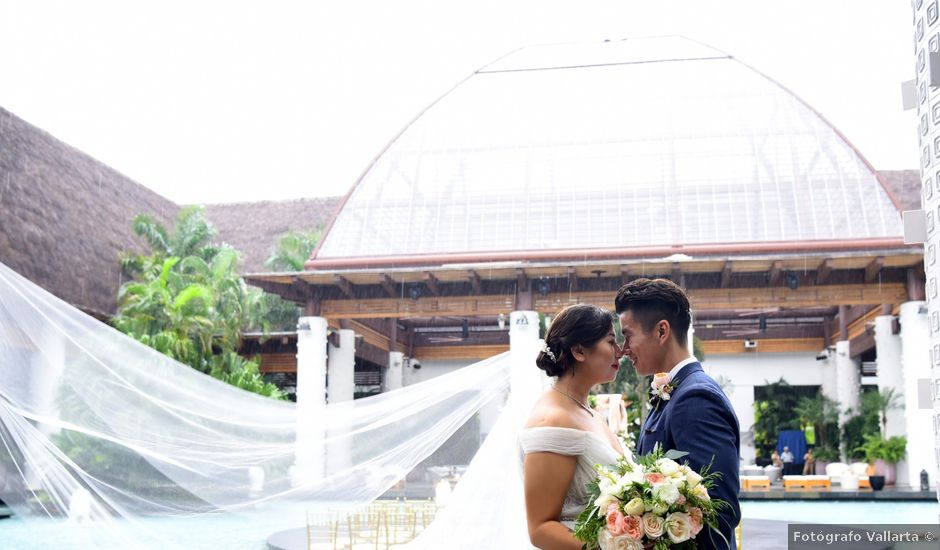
915	367
890	377
848	381
47	369
342	367
526	380
829	381
311	400
742	401
394	376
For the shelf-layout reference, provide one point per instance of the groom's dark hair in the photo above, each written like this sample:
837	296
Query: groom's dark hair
654	300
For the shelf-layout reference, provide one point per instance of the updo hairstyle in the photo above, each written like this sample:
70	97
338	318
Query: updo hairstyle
578	324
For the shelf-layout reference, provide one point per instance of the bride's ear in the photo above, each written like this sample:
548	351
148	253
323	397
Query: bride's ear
577	352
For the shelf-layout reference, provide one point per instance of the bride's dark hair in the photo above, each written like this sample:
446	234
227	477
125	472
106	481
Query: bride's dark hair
578	324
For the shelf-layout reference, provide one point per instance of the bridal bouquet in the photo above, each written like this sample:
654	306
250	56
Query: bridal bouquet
653	502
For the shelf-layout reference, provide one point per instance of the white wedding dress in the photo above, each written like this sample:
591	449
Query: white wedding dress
589	447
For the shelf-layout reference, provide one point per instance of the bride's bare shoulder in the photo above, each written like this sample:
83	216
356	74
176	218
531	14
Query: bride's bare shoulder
548	413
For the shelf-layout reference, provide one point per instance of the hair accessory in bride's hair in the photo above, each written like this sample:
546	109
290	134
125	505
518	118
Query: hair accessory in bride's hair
548	351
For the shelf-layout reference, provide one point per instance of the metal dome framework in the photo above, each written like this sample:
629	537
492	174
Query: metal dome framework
557	173
617	145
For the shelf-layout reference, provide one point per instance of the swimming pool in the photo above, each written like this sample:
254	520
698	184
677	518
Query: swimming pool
249	532
841	511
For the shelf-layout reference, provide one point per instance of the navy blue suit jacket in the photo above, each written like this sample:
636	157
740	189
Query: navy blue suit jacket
699	419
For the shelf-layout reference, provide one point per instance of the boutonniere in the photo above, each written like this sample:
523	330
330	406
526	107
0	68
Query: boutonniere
660	389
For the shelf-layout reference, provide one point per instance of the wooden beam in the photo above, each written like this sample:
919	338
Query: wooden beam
857	326
843	322
572	279
370	335
345	286
726	275
522	280
775	273
624	274
916	283
432	283
388	284
874	268
459	352
702	299
475	282
764	345
392	334
292	292
824	271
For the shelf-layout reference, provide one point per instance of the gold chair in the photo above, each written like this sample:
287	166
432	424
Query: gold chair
323	531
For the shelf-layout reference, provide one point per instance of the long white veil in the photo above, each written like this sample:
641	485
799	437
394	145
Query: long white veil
123	447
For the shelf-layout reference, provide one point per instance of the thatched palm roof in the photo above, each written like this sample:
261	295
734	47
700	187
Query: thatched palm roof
254	228
65	217
905	185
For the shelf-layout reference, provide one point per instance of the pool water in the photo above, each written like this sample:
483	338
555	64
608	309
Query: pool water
841	511
249	532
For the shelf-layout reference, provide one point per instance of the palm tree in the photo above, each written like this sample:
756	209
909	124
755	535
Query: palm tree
293	250
190	237
188	302
821	412
883	401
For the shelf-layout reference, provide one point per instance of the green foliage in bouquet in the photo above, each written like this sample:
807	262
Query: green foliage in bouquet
656	493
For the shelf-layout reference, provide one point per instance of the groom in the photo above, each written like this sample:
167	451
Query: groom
697	417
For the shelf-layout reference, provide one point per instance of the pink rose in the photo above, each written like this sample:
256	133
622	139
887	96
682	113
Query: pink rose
696	520
681	500
612	507
632	527
660	379
655	477
615	522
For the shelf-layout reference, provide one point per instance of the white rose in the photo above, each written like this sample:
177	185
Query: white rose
693	478
605	540
666	492
659	508
653	525
626	543
701	492
605	500
667	466
679	527
635	507
630	478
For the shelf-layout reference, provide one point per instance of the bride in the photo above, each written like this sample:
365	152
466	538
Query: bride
563	438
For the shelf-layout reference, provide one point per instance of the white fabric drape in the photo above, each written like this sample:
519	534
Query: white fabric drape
91	419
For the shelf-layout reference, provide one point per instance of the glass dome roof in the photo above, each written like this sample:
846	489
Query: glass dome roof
637	143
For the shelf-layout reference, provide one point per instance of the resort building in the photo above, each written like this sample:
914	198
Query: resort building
558	173
548	178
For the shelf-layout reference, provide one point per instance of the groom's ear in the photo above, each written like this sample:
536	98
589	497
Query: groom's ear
663	331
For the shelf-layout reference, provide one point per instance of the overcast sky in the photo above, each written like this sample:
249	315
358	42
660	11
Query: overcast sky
209	102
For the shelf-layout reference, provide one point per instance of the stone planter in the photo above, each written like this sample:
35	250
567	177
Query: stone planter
887	470
877	482
821	467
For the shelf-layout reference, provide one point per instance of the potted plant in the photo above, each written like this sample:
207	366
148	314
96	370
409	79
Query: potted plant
893	450
825	455
883	455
